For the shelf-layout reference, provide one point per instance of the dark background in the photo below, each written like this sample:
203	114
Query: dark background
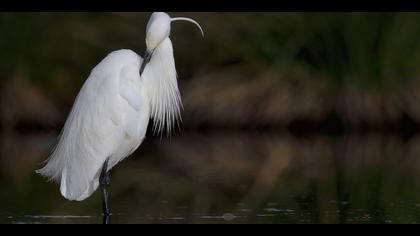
299	117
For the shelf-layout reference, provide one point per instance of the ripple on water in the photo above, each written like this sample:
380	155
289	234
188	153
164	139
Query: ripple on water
226	217
58	217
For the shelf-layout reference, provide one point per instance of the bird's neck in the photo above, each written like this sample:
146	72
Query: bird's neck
160	80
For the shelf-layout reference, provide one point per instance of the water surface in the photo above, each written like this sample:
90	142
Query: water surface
237	177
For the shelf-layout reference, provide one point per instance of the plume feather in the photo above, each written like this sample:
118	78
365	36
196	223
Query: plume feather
161	78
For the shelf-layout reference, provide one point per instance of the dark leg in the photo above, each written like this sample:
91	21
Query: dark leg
104	183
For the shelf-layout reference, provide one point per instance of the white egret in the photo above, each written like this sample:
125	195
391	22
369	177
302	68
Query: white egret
109	119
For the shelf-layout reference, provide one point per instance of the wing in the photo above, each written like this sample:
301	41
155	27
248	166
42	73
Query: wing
103	116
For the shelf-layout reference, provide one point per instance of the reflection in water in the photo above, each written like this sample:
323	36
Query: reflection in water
229	178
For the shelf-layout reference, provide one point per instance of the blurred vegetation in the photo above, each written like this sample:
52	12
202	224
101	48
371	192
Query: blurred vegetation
361	67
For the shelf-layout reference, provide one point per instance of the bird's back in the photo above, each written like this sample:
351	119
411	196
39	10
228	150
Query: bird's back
108	121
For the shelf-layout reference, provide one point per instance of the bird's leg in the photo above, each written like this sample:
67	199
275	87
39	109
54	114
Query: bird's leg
104	181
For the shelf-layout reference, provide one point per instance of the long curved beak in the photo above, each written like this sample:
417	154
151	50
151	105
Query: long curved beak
191	21
147	57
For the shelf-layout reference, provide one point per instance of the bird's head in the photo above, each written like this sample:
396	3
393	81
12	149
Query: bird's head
159	29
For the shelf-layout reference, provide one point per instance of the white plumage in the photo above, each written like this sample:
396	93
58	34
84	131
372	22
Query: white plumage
110	116
109	120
